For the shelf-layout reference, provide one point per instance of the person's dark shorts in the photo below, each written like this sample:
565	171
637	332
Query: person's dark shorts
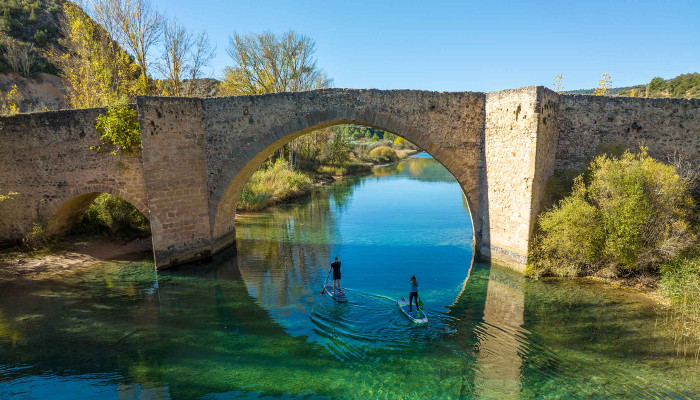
336	275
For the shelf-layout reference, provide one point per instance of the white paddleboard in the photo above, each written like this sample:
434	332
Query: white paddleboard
337	296
412	315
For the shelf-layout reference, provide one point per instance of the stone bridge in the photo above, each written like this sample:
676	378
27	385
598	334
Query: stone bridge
502	147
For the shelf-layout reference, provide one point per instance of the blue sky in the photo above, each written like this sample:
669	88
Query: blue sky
468	45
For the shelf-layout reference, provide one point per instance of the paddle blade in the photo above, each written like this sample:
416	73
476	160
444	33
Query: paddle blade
420	303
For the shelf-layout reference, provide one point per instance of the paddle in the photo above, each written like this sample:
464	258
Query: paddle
324	282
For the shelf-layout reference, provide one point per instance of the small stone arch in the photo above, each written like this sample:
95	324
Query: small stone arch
67	211
236	173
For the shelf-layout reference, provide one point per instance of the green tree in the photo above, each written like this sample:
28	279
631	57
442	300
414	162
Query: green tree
119	128
656	85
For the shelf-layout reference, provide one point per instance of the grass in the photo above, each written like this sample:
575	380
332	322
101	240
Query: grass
273	185
680	283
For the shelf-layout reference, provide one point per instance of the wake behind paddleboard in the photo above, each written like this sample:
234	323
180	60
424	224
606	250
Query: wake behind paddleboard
337	296
412	315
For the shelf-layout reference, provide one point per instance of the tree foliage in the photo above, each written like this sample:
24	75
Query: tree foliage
119	129
27	31
10	101
384	154
630	215
604	85
267	63
137	26
184	57
97	72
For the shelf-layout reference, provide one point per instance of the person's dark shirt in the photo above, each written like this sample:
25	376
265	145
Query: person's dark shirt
336	266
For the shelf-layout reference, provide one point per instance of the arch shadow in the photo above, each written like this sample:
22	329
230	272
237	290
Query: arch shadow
67	212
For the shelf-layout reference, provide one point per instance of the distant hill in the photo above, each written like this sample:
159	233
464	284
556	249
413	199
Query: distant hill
684	85
29	27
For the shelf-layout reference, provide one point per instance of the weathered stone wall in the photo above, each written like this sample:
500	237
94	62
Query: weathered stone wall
46	158
590	124
513	119
175	169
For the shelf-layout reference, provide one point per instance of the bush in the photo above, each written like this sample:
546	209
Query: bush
119	128
632	215
273	185
111	215
37	239
384	154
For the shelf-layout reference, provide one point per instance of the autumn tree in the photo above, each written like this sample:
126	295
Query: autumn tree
559	84
604	85
95	69
184	57
201	56
136	25
267	63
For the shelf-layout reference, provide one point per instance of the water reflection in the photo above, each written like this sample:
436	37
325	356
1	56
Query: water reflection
251	324
384	228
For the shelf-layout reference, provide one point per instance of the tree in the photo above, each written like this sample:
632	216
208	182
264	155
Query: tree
604	85
136	25
96	71
559	84
655	85
10	102
266	63
19	56
201	56
177	43
184	57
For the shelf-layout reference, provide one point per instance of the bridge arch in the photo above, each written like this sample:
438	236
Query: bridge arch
236	173
65	212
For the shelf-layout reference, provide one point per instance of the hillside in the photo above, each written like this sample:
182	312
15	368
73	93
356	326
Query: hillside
29	29
684	85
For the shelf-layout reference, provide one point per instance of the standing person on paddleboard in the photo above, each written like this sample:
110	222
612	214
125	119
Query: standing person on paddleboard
335	266
413	294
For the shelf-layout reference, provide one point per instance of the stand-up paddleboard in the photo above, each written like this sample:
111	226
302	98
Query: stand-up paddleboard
337	296
412	315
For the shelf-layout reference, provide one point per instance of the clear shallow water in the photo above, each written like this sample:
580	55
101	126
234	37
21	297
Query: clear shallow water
252	324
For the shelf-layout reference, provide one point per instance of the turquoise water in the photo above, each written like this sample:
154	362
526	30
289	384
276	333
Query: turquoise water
252	324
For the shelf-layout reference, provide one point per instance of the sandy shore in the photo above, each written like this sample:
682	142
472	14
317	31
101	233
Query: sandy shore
73	255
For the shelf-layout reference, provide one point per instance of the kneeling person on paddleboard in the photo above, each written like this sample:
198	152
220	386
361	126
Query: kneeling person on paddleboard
335	265
413	294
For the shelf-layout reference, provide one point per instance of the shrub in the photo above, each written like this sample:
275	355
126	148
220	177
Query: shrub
119	128
112	215
632	215
272	185
571	236
384	154
37	239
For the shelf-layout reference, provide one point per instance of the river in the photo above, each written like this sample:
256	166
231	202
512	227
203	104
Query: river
252	323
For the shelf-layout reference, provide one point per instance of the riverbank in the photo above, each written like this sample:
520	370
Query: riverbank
68	256
280	183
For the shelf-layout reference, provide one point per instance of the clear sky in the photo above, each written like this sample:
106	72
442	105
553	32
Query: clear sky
468	45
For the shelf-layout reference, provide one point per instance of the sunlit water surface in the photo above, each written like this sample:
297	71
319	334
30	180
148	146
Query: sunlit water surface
252	324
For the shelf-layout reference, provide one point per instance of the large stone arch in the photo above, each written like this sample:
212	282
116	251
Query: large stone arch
235	173
66	211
